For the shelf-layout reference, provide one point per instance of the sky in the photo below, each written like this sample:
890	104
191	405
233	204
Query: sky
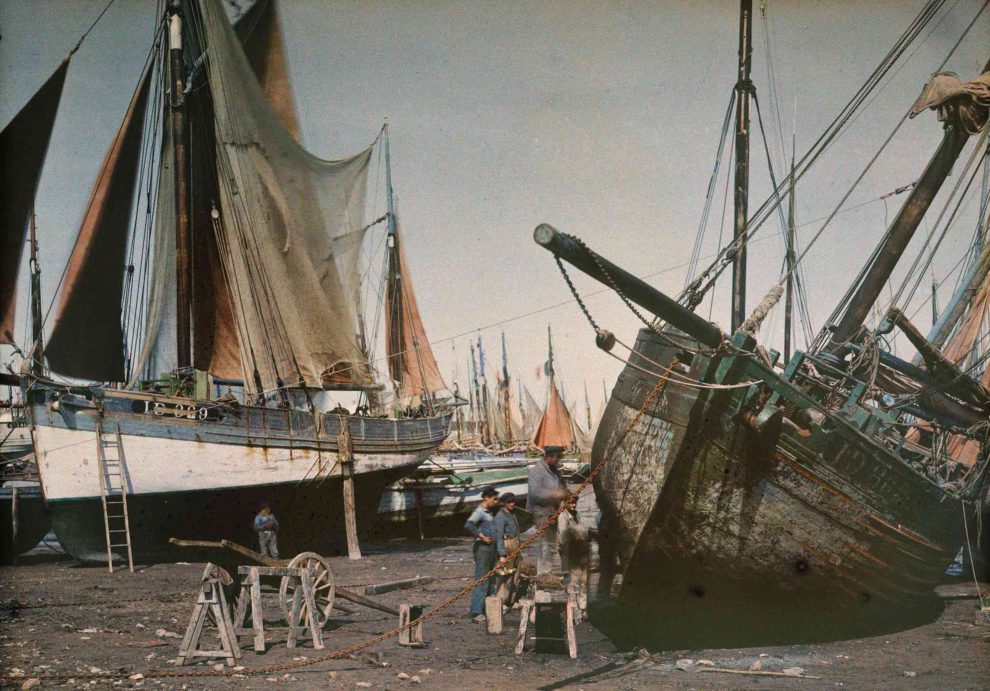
600	118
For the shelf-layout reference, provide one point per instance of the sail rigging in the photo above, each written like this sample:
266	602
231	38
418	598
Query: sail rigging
23	145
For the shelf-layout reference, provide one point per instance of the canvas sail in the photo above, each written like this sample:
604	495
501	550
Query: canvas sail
556	427
87	339
411	362
534	413
260	31
289	231
23	144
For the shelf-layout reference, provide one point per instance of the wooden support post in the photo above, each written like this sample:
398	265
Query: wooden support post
419	512
346	454
527	606
250	596
309	598
493	613
13	522
210	600
573	612
413	636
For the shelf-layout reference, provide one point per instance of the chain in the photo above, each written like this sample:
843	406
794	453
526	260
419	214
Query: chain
622	296
350	650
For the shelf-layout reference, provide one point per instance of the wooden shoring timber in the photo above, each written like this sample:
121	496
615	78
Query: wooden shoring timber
210	601
346	452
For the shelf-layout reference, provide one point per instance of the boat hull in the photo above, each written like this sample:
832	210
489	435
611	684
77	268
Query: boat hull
728	536
33	522
197	475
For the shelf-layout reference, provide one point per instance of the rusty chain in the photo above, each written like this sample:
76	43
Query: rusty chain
350	650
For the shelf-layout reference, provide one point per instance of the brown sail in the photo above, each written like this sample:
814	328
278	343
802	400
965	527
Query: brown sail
411	362
23	144
87	340
556	427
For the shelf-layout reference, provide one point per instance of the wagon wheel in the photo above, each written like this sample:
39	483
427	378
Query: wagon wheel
324	589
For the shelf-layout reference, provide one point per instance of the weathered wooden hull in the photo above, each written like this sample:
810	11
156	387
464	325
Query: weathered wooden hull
195	470
32	523
728	535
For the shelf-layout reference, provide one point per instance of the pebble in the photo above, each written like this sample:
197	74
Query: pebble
706	663
910	674
402	675
30	683
684	664
415	679
793	671
427	670
136	677
218	667
363	684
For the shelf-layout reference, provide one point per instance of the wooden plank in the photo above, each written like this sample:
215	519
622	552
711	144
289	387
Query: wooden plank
403	584
571	635
493	613
755	673
293	622
257	618
360	600
306	583
523	625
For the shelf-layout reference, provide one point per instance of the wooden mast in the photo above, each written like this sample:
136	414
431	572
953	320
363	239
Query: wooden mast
789	249
37	322
183	231
744	88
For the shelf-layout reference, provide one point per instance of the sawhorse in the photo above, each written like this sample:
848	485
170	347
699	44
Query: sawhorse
302	614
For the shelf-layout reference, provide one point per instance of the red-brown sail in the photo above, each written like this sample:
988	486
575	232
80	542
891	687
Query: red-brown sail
87	340
556	427
411	362
23	144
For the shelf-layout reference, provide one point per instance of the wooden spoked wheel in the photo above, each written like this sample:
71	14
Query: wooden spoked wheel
324	589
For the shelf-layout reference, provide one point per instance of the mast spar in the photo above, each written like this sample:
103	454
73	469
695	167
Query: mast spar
183	232
744	89
37	320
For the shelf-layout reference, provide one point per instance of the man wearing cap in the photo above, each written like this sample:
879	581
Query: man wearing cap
481	525
507	542
546	491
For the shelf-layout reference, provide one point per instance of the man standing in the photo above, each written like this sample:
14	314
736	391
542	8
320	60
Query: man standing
546	491
507	542
266	525
481	525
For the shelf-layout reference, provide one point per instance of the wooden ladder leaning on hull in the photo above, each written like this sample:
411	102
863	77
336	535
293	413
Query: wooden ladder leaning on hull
112	468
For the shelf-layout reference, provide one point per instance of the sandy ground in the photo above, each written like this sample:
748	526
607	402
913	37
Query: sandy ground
60	617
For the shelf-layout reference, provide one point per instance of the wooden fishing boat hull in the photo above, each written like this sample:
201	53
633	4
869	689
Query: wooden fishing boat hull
442	508
32	520
731	535
197	470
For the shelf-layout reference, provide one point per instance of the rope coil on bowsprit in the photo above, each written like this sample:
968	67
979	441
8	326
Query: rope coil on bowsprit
349	650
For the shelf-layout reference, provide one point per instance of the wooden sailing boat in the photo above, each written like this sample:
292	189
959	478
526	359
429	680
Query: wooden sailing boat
743	504
253	286
556	427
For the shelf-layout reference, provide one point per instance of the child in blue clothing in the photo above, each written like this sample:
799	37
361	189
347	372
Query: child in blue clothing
266	525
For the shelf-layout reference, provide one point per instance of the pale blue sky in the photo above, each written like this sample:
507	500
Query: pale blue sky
599	118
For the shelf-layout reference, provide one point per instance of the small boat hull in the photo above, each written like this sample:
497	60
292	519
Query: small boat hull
32	520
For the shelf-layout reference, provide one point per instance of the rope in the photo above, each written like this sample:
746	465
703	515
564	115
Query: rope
976	581
349	650
91	27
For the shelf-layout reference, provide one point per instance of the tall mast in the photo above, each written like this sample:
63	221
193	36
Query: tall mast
587	405
744	88
899	235
789	250
183	231
37	327
506	410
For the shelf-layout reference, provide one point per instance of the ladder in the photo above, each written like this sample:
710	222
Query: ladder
113	491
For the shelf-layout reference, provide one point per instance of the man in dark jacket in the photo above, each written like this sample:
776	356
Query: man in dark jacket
481	524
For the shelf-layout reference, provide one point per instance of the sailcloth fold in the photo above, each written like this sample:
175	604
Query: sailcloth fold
289	230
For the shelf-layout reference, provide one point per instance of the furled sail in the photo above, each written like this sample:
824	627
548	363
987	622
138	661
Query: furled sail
289	231
533	413
87	339
556	427
23	144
